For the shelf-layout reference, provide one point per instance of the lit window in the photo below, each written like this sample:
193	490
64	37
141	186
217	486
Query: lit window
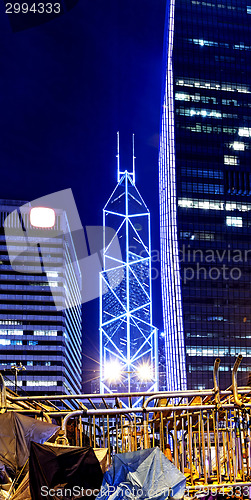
209	84
34	383
242	46
4	342
48	333
241	207
231	160
216	318
204	236
245	132
201	204
11	332
9	383
248	9
52	284
182	97
10	322
213	205
201	42
234	221
205	112
230	102
52	274
238	146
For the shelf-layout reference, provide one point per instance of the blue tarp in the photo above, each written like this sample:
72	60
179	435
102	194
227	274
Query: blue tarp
142	474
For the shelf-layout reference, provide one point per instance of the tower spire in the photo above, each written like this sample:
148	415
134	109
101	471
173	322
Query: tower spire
118	159
133	158
120	173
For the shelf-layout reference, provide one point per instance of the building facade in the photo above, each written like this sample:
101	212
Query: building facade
39	281
128	339
205	190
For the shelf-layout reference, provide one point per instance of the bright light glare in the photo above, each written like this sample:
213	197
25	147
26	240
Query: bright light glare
145	372
42	217
112	371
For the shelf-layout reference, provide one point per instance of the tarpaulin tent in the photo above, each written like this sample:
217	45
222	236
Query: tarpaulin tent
64	470
23	490
16	433
142	474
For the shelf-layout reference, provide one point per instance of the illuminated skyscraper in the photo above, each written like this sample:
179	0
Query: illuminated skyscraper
128	339
205	190
46	339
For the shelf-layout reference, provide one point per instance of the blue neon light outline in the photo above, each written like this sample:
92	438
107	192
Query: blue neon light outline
149	338
170	268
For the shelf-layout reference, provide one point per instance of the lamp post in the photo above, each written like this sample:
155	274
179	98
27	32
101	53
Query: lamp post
16	369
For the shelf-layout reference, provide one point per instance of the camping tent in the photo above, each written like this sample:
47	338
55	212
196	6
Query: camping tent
23	491
65	470
16	433
142	474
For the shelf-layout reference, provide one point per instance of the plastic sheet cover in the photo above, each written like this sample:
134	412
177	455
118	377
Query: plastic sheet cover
67	472
143	474
16	433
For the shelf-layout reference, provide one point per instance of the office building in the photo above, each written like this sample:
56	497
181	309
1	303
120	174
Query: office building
205	190
128	339
39	281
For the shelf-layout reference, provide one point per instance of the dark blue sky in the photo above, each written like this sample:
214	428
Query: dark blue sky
66	87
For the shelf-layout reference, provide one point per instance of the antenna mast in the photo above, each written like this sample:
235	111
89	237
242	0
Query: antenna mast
118	161
133	159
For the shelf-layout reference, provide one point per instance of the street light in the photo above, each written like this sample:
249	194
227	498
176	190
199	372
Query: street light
16	369
113	372
144	372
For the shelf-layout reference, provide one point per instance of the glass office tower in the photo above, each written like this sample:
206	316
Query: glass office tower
205	190
39	328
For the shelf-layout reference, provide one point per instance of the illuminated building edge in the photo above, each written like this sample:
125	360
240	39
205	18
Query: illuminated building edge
170	267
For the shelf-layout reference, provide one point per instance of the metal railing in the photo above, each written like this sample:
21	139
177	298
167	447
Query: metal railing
208	432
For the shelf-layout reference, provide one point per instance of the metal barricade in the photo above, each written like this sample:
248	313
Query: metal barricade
207	434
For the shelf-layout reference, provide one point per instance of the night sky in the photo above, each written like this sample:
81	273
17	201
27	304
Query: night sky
66	87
